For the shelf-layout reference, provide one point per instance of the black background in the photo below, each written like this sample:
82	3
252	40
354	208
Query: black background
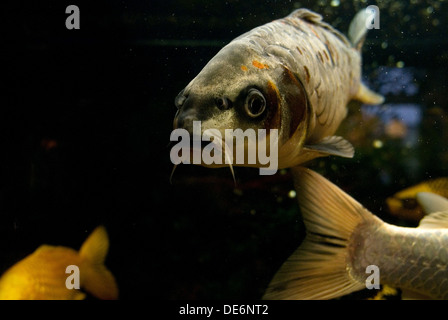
85	123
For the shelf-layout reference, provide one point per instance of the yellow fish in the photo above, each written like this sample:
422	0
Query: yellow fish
404	205
43	274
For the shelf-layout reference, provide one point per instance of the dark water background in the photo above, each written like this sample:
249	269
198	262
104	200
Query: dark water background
85	124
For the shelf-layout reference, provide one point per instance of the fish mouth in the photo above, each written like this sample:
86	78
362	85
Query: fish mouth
193	145
195	156
188	110
197	147
184	120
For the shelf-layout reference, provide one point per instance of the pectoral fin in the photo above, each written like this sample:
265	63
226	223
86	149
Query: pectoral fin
328	146
331	146
367	96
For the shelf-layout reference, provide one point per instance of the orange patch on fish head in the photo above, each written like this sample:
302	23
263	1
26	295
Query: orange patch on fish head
259	65
244	68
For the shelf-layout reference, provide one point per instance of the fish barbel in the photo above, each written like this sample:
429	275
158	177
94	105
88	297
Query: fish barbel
295	75
343	239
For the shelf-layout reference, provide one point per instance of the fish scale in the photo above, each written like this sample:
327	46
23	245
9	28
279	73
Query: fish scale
318	76
410	258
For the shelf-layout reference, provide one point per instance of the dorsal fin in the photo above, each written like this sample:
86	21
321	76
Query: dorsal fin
316	19
307	15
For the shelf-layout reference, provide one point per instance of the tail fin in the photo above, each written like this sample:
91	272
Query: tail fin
318	268
95	277
357	30
357	33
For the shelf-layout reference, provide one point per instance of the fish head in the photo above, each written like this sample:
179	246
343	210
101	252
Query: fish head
243	88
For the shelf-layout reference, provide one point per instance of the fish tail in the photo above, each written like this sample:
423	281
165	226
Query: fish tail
357	30
357	33
95	277
318	268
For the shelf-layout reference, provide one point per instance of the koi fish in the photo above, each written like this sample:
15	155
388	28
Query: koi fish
404	204
42	275
295	75
343	239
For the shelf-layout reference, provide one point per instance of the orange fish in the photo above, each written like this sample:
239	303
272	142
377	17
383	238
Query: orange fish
43	274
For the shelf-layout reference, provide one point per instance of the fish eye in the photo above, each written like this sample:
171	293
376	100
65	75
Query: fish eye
255	103
223	103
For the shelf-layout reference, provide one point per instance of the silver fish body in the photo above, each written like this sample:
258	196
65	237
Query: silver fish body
343	239
295	75
409	258
321	58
